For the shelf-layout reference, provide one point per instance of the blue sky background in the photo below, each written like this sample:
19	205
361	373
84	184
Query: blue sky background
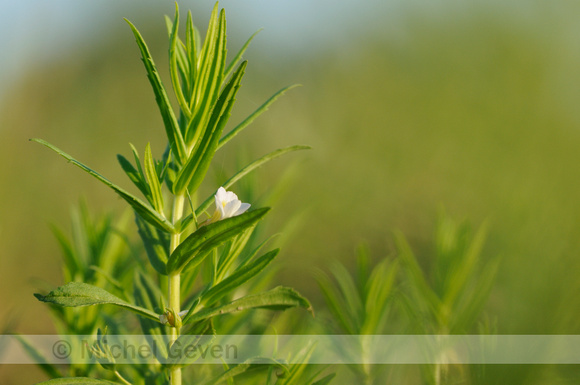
33	32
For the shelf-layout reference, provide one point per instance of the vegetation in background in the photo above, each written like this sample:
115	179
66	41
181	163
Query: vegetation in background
471	111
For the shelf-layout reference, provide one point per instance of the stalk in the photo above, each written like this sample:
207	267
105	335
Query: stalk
175	284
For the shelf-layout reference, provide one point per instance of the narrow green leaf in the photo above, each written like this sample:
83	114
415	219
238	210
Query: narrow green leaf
134	175
138	205
466	268
336	303
147	294
191	37
255	362
156	244
379	290
210	77
173	66
349	292
210	236
239	55
279	298
193	172
171	126
325	380
70	261
153	179
238	278
248	169
75	294
470	308
263	108
204	56
49	369
231	254
297	370
415	275
77	381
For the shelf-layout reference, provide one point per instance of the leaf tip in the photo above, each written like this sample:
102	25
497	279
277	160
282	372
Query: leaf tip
40	297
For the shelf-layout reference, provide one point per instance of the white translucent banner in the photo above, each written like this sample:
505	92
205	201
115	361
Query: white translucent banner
313	349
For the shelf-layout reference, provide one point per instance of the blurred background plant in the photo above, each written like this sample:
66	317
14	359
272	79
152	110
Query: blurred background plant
412	105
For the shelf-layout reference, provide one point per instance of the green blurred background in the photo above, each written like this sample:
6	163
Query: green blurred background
409	107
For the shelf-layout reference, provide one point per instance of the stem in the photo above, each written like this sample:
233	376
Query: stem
175	285
123	380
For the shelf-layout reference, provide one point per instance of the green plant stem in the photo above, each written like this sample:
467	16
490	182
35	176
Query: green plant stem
175	284
121	378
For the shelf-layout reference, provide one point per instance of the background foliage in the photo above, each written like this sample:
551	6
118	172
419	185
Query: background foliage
472	110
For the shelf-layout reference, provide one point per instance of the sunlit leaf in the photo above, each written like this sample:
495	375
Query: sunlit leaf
238	278
153	179
169	120
75	294
207	237
279	298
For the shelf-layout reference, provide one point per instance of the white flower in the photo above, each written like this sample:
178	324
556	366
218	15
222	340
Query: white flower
227	205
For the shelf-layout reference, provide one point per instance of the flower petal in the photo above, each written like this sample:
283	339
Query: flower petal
243	208
231	208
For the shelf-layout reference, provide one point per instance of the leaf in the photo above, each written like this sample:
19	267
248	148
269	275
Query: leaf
49	369
279	298
336	303
173	58
70	260
263	108
209	81
470	309
248	169
194	170
325	380
153	179
238	56
156	244
134	175
419	284
147	294
75	294
349	292
138	205
238	278
77	381
379	288
182	59
169	120
254	362
210	236
191	44
466	268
